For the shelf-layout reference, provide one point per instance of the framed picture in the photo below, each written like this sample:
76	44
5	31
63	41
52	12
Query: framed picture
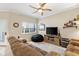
42	27
16	25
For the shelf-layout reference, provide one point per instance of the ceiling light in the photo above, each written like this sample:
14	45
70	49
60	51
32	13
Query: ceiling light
40	10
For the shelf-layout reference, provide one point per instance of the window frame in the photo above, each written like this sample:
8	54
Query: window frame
29	26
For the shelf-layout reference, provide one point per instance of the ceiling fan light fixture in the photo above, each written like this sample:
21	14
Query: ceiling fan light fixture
40	10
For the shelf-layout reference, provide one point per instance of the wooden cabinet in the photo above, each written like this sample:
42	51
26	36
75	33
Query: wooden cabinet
56	40
64	42
52	39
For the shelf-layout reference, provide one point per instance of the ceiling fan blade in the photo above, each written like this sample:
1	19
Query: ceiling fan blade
35	12
42	4
48	9
33	7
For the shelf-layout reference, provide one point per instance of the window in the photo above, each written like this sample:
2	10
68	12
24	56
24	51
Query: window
2	36
3	29
42	27
28	27
32	27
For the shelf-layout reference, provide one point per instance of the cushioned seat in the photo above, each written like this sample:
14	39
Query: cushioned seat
24	49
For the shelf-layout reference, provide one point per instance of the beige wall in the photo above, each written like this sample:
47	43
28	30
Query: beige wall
11	18
59	20
17	31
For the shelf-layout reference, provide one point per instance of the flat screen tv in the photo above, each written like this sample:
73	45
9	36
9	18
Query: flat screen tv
52	30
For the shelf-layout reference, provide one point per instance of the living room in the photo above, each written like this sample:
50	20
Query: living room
24	23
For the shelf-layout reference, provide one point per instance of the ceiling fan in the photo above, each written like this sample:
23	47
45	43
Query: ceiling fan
41	8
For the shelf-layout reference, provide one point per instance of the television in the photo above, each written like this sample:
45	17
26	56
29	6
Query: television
52	30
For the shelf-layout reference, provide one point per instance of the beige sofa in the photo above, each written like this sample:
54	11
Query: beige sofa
23	49
73	48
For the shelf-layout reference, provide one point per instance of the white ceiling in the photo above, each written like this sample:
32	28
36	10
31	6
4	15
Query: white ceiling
23	8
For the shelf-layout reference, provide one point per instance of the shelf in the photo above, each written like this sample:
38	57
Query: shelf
71	26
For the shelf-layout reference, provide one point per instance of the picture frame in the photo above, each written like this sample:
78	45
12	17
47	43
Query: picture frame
16	25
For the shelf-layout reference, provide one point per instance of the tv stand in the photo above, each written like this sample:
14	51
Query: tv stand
53	39
52	36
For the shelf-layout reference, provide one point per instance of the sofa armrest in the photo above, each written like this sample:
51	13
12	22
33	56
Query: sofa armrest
73	48
69	53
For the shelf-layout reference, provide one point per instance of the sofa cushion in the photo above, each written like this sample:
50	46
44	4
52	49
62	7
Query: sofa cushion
69	53
75	43
21	49
41	51
25	50
73	48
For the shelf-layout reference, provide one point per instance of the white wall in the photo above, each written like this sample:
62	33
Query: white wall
13	17
59	20
3	25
